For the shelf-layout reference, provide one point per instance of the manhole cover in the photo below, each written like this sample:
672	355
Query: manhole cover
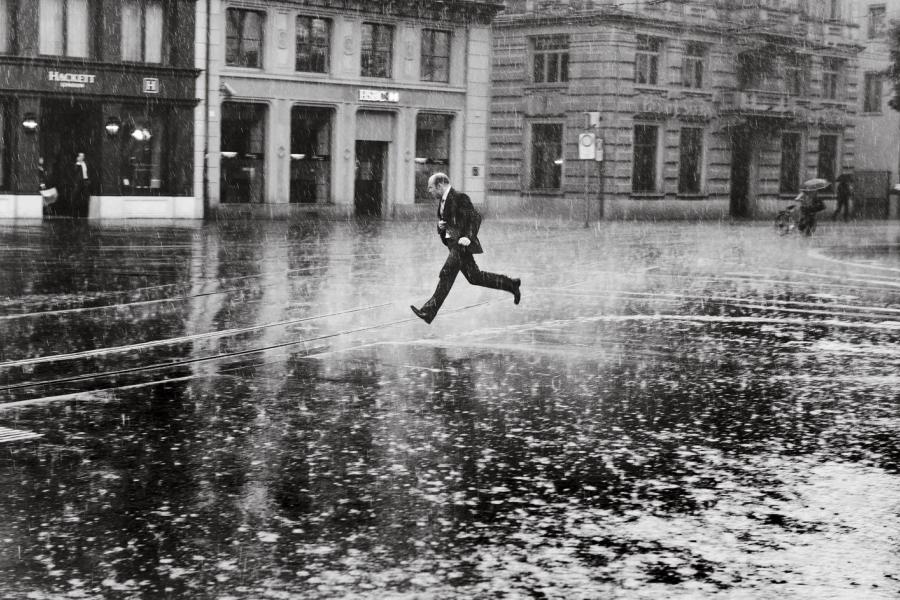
16	435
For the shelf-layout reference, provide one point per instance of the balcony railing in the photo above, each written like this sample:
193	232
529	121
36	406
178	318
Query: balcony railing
757	102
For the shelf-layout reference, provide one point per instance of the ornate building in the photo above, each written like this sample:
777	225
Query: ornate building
343	106
704	108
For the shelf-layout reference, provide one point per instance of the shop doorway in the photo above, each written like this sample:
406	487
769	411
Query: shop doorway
66	128
369	181
741	156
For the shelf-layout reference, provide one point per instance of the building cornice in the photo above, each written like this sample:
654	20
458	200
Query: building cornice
467	11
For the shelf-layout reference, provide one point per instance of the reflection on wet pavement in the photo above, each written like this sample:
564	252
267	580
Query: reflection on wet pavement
248	411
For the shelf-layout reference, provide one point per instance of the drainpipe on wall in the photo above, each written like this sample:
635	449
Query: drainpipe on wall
206	115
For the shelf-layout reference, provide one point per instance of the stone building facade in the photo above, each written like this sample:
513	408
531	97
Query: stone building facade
341	107
877	124
704	109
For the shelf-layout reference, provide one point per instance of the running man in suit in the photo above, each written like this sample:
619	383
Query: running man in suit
458	224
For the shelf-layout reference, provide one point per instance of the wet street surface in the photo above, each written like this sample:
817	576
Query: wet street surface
249	410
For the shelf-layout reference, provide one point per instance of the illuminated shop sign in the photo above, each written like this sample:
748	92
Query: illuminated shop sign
71	80
379	96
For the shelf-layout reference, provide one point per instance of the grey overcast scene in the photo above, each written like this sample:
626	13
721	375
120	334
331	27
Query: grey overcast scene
449	299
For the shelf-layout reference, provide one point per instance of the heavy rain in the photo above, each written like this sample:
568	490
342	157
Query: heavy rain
249	410
228	372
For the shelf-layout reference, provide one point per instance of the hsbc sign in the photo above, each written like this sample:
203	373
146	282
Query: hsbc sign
379	96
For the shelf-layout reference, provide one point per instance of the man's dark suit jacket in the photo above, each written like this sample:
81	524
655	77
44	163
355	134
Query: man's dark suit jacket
462	221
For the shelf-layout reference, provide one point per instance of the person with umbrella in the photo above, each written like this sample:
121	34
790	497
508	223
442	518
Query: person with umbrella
810	204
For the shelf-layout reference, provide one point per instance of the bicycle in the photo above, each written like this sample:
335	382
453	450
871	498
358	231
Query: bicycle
786	220
790	219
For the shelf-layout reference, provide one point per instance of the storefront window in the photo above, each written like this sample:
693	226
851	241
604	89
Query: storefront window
432	151
243	152
690	168
643	175
377	50
7	26
791	156
143	148
65	28
310	155
244	38
828	151
142	31
546	159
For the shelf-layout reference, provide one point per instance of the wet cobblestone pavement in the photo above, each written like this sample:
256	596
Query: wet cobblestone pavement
250	410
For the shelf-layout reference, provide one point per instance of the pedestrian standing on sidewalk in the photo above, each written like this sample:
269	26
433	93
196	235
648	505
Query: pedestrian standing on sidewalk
46	189
458	224
844	194
81	200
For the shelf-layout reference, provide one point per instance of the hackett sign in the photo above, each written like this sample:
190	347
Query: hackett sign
71	80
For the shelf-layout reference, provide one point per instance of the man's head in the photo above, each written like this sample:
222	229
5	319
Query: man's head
80	157
437	184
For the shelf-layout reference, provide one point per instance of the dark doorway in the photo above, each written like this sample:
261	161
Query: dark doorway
369	180
741	155
67	128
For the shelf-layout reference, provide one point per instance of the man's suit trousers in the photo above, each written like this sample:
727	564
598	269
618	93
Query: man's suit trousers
460	259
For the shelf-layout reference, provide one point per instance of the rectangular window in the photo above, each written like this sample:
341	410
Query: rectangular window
64	28
692	65
795	79
7	26
646	60
377	50
831	70
310	155
550	59
244	37
142	31
828	146
243	152
790	163
643	176
435	55
546	156
432	150
877	21
872	98
143	144
6	145
690	168
313	44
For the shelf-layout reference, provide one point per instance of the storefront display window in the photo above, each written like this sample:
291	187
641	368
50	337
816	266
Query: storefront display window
310	155
143	146
243	152
432	150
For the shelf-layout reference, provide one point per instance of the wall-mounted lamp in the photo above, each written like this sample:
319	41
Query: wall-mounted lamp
112	126
29	123
141	134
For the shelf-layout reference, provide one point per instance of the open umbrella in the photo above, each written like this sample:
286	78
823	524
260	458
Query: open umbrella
812	185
